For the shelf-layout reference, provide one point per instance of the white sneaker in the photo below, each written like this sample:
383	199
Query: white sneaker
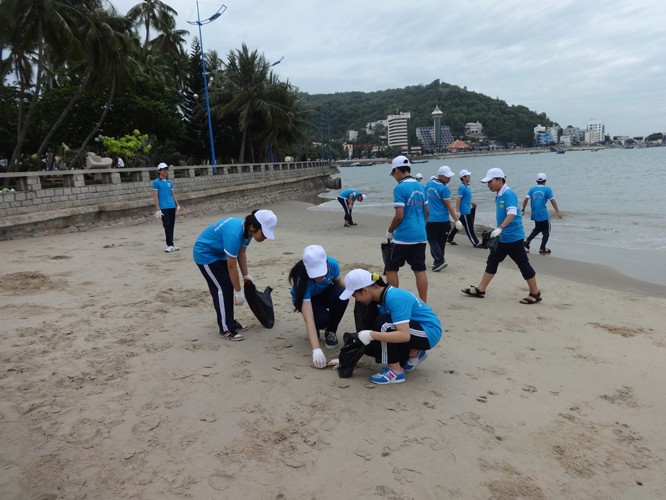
169	249
175	249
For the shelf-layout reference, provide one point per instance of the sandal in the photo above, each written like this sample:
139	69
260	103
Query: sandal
473	291
532	298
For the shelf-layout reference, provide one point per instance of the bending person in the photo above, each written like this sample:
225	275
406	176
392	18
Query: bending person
315	292
347	199
405	329
218	253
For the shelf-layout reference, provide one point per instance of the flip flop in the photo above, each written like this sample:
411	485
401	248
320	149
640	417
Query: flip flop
473	291
532	299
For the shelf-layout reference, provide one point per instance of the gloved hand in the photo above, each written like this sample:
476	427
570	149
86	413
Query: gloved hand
496	232
364	336
318	358
389	235
158	215
459	225
249	278
180	210
239	298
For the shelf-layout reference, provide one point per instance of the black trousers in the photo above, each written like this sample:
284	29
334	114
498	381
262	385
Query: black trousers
328	309
517	252
390	352
437	233
468	224
543	227
348	213
169	223
221	291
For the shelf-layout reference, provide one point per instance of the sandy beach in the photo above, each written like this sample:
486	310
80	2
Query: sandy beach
115	384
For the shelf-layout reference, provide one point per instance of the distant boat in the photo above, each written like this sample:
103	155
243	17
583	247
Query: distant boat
419	161
560	151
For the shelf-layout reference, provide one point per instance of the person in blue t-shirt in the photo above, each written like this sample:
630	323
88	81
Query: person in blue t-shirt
315	293
347	199
407	230
539	196
439	224
218	253
403	331
465	209
511	234
166	205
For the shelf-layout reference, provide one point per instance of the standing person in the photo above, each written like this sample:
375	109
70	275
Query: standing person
465	209
439	224
218	253
119	162
404	330
407	229
166	205
347	199
539	196
315	293
511	234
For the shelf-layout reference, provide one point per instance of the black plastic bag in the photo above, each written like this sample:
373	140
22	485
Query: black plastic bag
364	316
386	248
488	242
350	353
261	304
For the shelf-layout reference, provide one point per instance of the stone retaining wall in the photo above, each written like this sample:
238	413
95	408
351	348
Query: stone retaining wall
85	199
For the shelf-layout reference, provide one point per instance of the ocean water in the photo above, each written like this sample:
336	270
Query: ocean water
612	201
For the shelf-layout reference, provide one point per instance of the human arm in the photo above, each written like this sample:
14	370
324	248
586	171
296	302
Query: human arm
449	207
458	198
525	200
242	261
232	267
157	199
318	356
397	218
557	209
400	336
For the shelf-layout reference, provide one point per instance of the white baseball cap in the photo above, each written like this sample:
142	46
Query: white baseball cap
268	221
162	165
419	175
541	177
363	197
314	258
445	171
492	174
399	161
355	280
464	173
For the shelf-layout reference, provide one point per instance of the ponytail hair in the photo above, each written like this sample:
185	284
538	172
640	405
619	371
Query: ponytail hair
299	279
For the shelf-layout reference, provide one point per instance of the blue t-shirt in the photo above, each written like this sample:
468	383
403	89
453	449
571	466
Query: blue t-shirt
222	239
404	306
539	196
465	194
345	194
314	288
506	203
437	192
411	196
164	187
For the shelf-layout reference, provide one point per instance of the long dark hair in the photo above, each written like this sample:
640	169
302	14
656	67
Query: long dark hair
298	279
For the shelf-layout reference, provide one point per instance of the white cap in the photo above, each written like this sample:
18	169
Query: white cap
492	174
162	165
363	197
355	280
314	258
268	221
400	161
541	177
419	175
464	173
445	171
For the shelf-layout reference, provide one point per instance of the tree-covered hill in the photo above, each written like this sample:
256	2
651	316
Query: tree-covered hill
353	110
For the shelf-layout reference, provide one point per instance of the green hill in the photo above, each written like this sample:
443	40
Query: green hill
353	110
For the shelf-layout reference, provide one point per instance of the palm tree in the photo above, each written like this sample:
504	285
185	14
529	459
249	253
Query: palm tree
151	13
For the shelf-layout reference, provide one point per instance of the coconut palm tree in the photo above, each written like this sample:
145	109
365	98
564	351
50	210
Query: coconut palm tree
151	13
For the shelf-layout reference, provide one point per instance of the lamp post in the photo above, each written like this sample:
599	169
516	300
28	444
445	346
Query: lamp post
199	22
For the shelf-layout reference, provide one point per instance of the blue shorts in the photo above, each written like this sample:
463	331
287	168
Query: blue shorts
414	255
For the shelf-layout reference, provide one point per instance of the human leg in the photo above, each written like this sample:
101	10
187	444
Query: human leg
345	206
169	222
468	224
546	234
436	250
221	290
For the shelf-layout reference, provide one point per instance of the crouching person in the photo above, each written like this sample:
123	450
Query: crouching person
405	329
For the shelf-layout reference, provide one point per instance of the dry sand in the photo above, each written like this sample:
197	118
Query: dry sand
115	384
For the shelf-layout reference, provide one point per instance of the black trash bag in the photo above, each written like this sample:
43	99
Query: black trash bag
350	353
261	304
364	315
386	248
488	242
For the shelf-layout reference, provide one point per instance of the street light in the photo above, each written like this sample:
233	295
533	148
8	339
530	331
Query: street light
199	22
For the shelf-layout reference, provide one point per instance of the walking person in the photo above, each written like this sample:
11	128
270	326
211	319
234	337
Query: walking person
538	197
441	213
407	228
166	205
315	293
347	199
511	234
404	330
466	209
218	253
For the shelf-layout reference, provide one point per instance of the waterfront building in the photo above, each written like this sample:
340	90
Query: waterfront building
398	130
596	132
473	129
437	137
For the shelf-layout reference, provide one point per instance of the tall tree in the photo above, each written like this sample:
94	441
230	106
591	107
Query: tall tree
151	13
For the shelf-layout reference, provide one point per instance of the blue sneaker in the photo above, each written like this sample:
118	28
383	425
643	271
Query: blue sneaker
414	362
388	376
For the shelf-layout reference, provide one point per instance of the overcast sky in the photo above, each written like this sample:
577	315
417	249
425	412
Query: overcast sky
573	60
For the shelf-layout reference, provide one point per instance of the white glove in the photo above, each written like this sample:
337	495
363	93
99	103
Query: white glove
247	277
389	235
318	358
158	215
496	232
239	297
459	225
364	336
180	210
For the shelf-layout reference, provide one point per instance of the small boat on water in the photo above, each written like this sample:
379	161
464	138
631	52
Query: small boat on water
560	152
419	161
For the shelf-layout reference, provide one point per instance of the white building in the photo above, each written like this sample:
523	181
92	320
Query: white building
596	132
352	135
370	127
475	128
398	130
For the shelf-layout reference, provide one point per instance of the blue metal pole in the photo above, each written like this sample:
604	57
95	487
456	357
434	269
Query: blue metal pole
203	67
